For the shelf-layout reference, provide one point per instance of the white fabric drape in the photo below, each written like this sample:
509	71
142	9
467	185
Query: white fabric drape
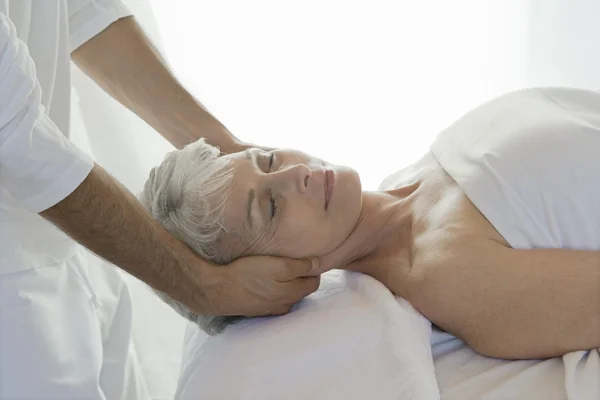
363	83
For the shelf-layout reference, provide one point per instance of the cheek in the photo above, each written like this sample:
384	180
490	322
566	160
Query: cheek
302	237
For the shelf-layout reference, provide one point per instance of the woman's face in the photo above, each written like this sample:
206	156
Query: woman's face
287	203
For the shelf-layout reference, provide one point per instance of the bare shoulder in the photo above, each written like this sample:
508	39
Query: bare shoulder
443	283
452	244
447	225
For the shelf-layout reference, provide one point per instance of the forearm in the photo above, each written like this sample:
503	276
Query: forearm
107	219
122	60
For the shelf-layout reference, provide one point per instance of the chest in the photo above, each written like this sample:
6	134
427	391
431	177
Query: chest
444	222
443	215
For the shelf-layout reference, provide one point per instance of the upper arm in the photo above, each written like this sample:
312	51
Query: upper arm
38	165
87	18
517	303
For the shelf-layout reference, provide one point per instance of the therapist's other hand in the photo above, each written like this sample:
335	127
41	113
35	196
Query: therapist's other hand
264	285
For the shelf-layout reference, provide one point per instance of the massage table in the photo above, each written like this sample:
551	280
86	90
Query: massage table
353	339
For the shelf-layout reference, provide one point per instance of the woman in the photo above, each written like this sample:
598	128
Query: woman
494	235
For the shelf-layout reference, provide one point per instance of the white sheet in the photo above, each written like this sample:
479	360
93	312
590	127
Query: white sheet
351	340
354	340
463	374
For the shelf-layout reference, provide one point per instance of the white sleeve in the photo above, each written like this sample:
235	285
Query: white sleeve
87	18
38	165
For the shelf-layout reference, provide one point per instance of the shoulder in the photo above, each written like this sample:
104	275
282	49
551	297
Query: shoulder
451	262
446	286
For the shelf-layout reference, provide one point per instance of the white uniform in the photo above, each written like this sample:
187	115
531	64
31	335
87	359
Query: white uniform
57	337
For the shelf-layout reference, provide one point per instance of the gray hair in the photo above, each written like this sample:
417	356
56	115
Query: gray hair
186	194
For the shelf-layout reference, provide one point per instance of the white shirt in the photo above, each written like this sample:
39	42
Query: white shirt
65	318
39	166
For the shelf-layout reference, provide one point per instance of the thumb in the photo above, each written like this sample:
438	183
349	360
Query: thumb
314	267
328	262
302	268
322	264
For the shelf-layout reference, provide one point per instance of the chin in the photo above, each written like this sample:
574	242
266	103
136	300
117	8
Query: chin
351	181
347	201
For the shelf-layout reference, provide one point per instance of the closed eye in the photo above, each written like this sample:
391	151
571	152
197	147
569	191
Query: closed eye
271	161
274	206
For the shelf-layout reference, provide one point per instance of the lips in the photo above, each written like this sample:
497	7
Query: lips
328	183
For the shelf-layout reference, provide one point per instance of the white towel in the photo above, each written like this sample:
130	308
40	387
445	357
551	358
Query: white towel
352	339
529	162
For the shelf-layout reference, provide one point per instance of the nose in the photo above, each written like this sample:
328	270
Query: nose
296	177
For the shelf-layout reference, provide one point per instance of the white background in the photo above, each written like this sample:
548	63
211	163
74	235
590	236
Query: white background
362	83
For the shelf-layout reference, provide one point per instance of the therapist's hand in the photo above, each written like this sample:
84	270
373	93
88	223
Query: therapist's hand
262	285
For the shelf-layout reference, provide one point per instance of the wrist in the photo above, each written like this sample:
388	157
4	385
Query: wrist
229	144
202	286
241	146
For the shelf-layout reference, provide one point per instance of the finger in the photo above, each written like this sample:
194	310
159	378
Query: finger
324	264
309	285
314	267
281	310
300	268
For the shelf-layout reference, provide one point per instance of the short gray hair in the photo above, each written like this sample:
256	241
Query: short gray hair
186	194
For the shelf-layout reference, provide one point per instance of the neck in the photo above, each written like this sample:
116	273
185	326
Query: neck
384	224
